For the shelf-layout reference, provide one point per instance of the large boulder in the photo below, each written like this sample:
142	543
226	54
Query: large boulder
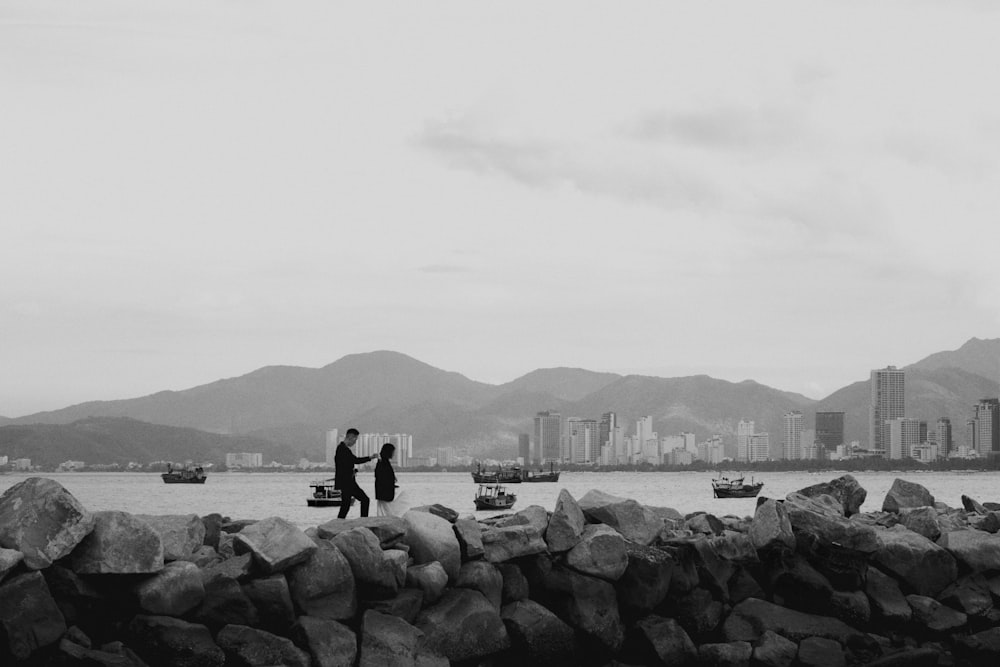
770	526
667	640
42	520
463	625
822	517
390	530
565	525
646	580
515	584
173	591
432	538
388	641
273	600
532	515
483	577
181	534
588	604
934	616
508	542
904	494
979	551
624	515
29	616
980	648
257	648
165	641
751	618
886	599
845	489
728	654
773	650
406	605
329	643
538	637
225	602
969	595
922	521
922	565
323	586
373	575
430	579
599	553
9	559
119	544
470	538
275	543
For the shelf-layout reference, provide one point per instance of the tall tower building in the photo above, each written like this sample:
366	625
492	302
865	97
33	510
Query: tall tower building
548	435
944	436
985	427
332	440
524	448
904	436
792	443
830	429
583	435
759	447
743	432
887	402
609	420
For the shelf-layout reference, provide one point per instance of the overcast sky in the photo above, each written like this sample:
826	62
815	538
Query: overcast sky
794	193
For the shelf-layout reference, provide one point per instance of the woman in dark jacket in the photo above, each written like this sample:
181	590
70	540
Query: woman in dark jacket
385	480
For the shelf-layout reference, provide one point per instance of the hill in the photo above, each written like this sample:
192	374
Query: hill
976	356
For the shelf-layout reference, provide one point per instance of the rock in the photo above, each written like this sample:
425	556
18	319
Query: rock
845	568
742	585
845	489
820	652
430	579
981	648
119	544
323	586
396	561
483	577
387	641
599	553
852	607
734	547
770	526
72	653
751	618
796	584
921	564
821	517
538	637
213	529
275	544
42	520
236	567
906	494
29	616
773	650
273	600
205	556
922	521
329	643
532	515
988	522
714	572
696	611
181	534
406	605
502	544
730	654
566	524
935	616
432	538
978	550
515	584
9	558
971	505
438	510
463	625
969	595
913	657
173	591
667	640
164	641
626	516
588	604
224	603
390	530
374	577
646	580
704	523
886	600
256	648
470	539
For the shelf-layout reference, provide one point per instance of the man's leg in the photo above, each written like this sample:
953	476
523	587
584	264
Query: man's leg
345	503
363	499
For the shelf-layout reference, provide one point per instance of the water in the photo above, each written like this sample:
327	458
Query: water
256	496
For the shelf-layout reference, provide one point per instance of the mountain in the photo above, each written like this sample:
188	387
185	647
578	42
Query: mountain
570	384
976	356
120	440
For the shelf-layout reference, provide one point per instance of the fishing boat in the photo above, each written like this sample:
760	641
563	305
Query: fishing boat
735	487
324	495
189	474
499	476
551	476
494	497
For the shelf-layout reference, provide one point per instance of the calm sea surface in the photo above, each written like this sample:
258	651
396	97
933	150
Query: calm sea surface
256	496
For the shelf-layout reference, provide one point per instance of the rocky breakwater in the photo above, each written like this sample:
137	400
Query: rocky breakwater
808	580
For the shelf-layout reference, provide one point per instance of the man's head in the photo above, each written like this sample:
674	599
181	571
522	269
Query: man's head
351	437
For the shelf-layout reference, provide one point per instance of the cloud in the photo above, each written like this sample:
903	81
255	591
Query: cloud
721	127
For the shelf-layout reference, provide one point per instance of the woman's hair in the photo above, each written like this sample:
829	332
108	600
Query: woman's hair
388	449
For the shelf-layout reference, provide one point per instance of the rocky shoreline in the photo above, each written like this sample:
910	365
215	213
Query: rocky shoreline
599	580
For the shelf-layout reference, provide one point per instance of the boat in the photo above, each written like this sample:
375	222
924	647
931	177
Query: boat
551	476
736	487
187	475
494	497
324	495
499	476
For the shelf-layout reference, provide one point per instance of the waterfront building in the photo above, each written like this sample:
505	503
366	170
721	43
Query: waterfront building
583	436
332	440
609	422
548	435
944	436
759	447
830	429
984	429
669	443
245	460
904	435
792	443
523	449
926	452
744	431
887	402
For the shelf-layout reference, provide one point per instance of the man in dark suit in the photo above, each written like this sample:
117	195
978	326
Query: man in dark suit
343	476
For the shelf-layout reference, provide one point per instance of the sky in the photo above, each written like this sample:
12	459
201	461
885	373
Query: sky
789	192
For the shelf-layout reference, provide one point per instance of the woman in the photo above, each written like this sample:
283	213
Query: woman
385	480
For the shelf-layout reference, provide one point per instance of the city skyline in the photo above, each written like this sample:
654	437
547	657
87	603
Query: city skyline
194	190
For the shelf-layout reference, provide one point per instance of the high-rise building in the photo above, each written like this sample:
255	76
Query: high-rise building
830	429
743	432
609	420
583	435
332	440
904	436
524	448
792	443
944	436
886	403
985	427
648	443
548	435
759	447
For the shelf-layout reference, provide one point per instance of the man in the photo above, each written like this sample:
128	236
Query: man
343	477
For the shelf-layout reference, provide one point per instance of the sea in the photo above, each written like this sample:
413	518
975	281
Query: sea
241	495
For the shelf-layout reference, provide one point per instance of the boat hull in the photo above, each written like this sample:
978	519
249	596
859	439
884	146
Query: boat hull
173	479
745	492
324	502
543	477
491	504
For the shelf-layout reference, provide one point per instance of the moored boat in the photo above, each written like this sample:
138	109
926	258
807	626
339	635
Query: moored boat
494	497
736	487
324	495
186	475
551	476
499	476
